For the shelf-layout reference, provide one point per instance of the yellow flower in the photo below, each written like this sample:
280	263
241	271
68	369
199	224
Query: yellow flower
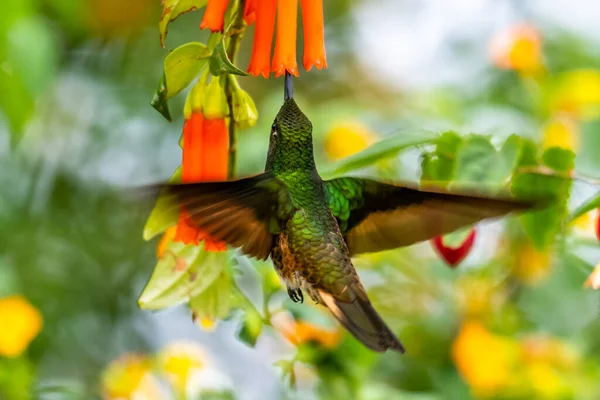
485	360
347	138
207	324
179	360
130	377
478	297
546	382
562	131
518	48
578	93
530	264
585	225
20	323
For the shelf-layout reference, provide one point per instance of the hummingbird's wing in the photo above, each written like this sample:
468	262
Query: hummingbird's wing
243	213
376	216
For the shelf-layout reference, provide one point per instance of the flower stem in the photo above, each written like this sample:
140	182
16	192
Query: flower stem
237	32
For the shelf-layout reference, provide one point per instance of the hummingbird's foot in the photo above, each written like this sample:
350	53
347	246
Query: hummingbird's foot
296	295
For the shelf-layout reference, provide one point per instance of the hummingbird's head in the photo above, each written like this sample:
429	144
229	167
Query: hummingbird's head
290	145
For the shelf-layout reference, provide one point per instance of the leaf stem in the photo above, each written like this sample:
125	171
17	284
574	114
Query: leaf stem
237	32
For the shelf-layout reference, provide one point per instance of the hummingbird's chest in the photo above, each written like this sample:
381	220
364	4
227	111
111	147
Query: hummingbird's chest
308	247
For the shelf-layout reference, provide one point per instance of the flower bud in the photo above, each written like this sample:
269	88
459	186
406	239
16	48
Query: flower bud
195	98
215	101
245	114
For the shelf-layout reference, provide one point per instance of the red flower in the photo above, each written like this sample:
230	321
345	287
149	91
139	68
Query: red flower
263	36
205	154
598	224
250	11
214	15
263	13
314	34
284	58
453	256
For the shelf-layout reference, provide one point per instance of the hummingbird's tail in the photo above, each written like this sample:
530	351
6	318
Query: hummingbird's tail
361	319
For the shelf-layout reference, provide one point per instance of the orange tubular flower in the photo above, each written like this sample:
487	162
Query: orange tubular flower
214	15
250	11
205	155
187	232
284	58
263	37
314	34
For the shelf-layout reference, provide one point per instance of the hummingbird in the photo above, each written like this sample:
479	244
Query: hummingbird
311	228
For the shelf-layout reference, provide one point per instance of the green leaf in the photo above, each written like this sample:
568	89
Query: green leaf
387	147
173	9
32	52
220	63
478	161
163	215
543	226
214	302
438	166
181	274
559	159
15	102
213	395
16	378
457	238
587	206
183	64
159	101
251	327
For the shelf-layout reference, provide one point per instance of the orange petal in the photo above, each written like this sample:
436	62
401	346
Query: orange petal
214	246
250	11
314	34
215	139
192	148
214	15
187	232
284	58
263	36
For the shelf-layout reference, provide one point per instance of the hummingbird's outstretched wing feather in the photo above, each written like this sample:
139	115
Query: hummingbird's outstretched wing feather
243	213
376	216
354	310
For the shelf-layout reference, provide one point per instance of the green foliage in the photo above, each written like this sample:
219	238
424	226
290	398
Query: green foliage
27	43
437	166
587	206
163	214
554	185
183	273
387	147
220	63
173	9
214	302
159	100
184	64
16	378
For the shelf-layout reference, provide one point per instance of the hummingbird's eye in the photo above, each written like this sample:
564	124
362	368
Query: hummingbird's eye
274	130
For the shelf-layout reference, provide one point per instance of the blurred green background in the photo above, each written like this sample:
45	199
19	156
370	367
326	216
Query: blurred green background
513	321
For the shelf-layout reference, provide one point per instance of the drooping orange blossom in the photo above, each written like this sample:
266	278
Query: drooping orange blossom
204	158
214	15
264	13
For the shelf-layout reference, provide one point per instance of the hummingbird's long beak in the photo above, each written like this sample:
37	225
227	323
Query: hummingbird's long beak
288	88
